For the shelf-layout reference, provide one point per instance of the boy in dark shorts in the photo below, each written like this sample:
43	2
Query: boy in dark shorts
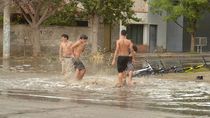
77	48
123	45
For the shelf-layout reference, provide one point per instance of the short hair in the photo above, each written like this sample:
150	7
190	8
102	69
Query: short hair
124	32
83	36
135	48
65	36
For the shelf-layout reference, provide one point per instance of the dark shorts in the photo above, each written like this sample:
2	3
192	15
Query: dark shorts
122	62
78	64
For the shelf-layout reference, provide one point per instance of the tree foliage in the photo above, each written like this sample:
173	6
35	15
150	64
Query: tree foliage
191	10
62	13
37	11
105	11
65	17
109	11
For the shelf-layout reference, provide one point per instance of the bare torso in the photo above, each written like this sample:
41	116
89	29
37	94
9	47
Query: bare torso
66	49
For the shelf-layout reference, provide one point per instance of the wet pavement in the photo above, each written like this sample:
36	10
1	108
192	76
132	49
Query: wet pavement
31	90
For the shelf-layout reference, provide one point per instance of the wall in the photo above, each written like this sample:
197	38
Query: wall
175	36
147	18
50	38
140	6
161	28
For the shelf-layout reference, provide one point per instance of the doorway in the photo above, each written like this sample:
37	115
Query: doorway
152	37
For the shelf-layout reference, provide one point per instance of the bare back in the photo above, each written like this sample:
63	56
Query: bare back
123	47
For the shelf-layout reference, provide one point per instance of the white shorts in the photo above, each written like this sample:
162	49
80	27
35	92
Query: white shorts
68	67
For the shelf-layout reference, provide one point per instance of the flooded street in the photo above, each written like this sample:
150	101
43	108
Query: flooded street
25	92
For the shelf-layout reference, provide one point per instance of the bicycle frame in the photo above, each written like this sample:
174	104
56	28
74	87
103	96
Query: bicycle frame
195	67
144	71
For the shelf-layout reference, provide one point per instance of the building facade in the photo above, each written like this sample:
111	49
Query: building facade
179	40
150	31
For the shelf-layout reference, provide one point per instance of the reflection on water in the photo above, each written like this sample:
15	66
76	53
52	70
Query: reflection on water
184	97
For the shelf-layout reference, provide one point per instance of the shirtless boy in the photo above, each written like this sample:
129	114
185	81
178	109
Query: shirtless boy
123	48
77	48
65	53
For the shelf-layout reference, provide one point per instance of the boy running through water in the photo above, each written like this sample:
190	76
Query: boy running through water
123	47
77	48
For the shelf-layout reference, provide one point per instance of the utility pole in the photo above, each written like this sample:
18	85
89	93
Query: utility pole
6	30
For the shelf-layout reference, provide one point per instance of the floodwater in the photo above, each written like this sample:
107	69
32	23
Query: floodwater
152	96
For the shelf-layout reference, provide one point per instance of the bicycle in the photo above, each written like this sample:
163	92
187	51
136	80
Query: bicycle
192	68
148	70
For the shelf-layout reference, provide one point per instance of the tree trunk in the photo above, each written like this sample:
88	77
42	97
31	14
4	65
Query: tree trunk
95	26
192	34
6	31
36	41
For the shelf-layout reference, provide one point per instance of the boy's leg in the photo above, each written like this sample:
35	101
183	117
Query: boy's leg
82	70
77	74
120	78
130	74
124	78
69	68
81	74
62	67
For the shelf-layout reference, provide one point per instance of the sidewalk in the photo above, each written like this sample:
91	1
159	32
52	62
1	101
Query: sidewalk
173	58
172	55
141	55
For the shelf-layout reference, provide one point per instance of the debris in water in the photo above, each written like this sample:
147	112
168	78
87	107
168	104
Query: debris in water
199	77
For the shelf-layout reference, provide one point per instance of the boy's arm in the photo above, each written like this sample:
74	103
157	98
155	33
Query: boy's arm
134	57
74	46
115	53
132	51
60	52
70	47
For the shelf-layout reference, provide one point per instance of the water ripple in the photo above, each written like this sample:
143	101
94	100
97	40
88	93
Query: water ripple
185	97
